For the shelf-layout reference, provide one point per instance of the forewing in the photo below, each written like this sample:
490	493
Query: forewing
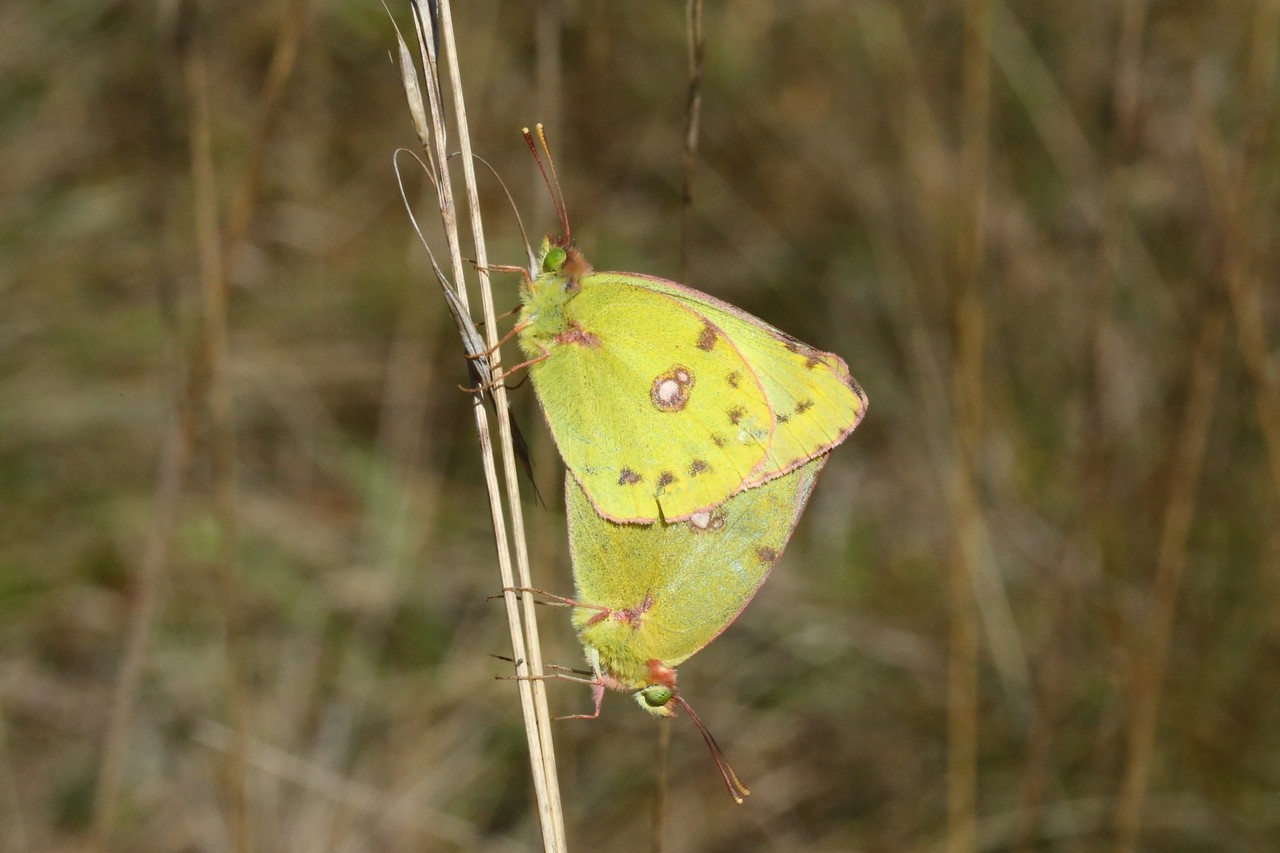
672	588
815	401
655	411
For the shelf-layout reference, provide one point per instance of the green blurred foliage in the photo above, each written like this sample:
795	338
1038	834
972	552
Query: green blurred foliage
825	201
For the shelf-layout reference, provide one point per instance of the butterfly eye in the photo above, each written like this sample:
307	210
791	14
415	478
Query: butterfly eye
553	260
572	286
655	695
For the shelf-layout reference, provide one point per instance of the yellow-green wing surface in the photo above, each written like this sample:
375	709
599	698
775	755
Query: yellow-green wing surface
816	403
654	409
671	588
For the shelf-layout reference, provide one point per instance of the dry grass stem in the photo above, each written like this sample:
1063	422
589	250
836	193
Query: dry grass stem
549	806
523	625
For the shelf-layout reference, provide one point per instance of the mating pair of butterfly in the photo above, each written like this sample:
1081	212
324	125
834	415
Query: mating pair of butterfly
693	434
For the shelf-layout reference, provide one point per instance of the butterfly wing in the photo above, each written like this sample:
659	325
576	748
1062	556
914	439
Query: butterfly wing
815	401
654	409
671	588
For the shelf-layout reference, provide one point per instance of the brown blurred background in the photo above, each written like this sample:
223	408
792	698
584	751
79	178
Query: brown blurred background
1033	605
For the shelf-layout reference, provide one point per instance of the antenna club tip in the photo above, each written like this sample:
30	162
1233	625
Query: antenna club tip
525	131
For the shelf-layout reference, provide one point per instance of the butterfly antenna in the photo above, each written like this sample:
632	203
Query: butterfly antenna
737	790
551	161
551	180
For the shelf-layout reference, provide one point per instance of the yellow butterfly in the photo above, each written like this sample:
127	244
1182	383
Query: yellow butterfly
649	597
665	401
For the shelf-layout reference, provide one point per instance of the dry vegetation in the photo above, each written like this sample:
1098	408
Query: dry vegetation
284	529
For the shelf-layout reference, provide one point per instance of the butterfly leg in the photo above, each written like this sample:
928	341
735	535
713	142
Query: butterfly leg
587	676
511	268
520	662
515	330
597	689
522	365
485	354
487	387
510	312
505	314
523	379
555	600
574	670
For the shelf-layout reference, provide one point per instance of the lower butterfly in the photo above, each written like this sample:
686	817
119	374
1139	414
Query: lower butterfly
650	597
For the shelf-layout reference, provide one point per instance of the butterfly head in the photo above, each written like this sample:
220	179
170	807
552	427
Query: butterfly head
657	699
556	278
561	259
659	696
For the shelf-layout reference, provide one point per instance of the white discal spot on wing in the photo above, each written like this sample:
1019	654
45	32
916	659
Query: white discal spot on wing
670	391
707	519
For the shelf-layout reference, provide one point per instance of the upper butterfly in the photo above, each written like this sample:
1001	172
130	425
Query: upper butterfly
665	401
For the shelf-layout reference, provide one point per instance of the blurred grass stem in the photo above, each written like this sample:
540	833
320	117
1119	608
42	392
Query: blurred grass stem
1241	207
1092	469
1151	652
170	479
549	22
693	120
283	58
1240	219
217	253
962	663
216	395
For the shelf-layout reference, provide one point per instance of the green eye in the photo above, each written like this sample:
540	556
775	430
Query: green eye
655	695
554	259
